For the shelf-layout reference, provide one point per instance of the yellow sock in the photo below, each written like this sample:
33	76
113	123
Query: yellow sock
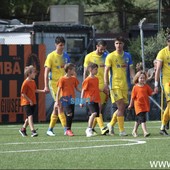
120	120
53	120
62	118
94	123
100	121
165	117
114	118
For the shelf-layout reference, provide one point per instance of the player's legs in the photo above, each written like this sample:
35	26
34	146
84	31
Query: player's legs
62	117
114	118
53	120
145	133
25	123
135	128
29	121
23	130
166	114
93	112
99	119
120	116
142	120
69	112
120	97
57	113
112	123
165	119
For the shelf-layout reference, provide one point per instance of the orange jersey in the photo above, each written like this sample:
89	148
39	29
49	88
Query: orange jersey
68	85
141	94
91	89
28	88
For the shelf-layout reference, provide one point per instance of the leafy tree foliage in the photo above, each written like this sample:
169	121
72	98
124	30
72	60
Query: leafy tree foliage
26	11
152	46
105	15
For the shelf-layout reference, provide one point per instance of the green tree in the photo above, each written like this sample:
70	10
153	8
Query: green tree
26	11
152	45
105	15
165	11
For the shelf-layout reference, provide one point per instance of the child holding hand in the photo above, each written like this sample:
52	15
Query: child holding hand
140	100
91	92
28	99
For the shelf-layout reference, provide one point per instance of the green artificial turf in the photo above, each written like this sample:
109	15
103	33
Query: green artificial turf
80	152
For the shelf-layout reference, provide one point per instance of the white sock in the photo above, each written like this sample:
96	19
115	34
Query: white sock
162	127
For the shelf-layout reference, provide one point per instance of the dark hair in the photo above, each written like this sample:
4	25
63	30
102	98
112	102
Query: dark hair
101	42
121	39
59	39
91	66
69	66
140	65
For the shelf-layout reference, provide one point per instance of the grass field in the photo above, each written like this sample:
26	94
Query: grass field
80	152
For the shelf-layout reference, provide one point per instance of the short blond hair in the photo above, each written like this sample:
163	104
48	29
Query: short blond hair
28	70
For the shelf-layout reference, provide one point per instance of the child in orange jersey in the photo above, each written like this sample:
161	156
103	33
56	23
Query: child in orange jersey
91	96
66	95
28	99
140	100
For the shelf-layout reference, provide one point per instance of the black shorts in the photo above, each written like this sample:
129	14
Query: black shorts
30	110
93	108
69	109
141	117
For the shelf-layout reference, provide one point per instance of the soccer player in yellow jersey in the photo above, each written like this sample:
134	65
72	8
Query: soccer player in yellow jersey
98	56
54	69
118	65
163	62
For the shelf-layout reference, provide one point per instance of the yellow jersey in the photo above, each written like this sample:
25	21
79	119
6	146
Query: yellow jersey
118	70
100	61
164	56
56	64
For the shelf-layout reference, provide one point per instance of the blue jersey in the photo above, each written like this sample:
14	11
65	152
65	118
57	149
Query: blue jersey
128	60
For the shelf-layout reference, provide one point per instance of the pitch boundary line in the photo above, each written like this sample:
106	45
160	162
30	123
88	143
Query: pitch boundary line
73	141
134	142
79	141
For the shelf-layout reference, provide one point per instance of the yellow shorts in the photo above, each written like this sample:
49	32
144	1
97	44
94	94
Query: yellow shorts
53	89
167	91
103	97
117	94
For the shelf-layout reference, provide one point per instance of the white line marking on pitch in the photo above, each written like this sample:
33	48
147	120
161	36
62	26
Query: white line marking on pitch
135	142
73	141
80	141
